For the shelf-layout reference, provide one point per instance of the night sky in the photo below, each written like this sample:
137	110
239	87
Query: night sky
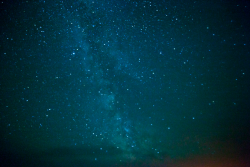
125	83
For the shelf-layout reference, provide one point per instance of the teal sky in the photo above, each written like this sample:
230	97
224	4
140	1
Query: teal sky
124	83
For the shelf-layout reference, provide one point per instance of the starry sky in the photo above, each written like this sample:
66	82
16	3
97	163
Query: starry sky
125	83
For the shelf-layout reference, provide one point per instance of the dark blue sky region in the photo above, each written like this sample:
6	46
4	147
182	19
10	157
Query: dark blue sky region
124	83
